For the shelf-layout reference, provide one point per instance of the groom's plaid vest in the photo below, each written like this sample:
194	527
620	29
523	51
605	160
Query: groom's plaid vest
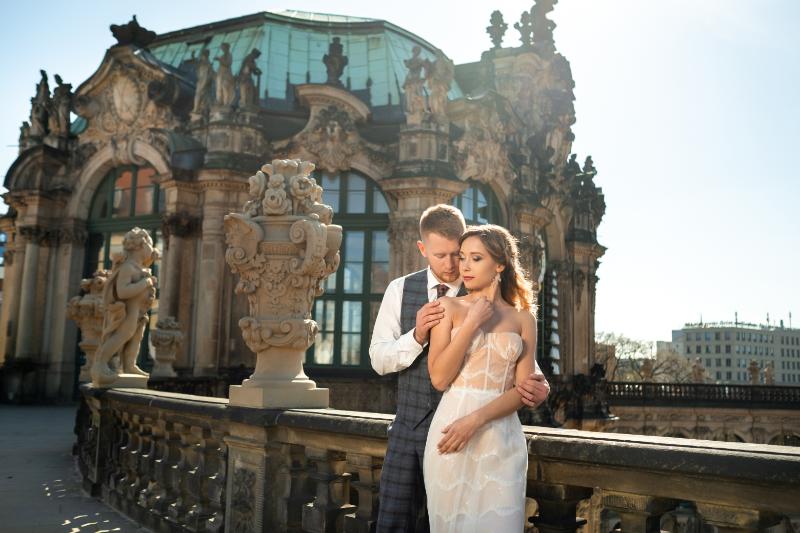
416	397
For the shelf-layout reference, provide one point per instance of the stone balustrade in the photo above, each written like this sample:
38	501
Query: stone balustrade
703	395
176	462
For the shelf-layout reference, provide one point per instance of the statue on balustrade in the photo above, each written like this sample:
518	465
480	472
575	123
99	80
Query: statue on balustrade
225	81
754	371
204	71
127	297
248	90
769	374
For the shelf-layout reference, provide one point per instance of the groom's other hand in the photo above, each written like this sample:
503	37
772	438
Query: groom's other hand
428	316
534	389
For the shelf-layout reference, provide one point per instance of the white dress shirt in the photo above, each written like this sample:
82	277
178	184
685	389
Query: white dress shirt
390	350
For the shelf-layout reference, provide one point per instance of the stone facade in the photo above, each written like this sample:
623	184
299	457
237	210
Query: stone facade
206	123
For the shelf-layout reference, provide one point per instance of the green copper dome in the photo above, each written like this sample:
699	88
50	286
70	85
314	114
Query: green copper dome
292	44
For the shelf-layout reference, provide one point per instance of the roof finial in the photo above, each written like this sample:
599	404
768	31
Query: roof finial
133	33
496	28
335	61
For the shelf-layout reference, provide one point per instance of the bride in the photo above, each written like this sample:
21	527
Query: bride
476	459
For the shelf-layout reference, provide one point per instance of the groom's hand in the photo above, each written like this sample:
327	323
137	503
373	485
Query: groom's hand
428	316
534	389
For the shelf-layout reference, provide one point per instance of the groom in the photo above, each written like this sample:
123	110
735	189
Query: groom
400	344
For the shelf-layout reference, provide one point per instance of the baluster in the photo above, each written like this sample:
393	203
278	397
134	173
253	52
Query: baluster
197	512
176	510
638	513
112	492
368	470
557	506
332	496
217	467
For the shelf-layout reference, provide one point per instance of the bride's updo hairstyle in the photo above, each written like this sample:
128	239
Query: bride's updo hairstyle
515	287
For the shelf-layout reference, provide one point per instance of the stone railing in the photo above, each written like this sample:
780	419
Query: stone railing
176	462
703	395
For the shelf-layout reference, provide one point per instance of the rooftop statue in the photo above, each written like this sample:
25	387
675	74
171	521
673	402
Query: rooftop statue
225	81
248	90
202	92
127	296
335	61
40	104
60	107
439	75
413	87
543	27
525	28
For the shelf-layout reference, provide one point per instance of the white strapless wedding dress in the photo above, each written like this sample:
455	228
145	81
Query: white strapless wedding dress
481	488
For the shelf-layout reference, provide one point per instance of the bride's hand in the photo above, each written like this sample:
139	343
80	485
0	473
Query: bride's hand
457	434
480	310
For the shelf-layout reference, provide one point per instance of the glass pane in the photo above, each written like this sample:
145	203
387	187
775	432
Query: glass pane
351	317
356	202
356	194
330	283
379	270
354	262
323	349
144	177
124	180
466	205
379	204
144	200
330	190
324	314
121	203
351	349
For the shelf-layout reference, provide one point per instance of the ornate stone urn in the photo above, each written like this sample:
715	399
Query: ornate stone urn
283	246
86	311
166	338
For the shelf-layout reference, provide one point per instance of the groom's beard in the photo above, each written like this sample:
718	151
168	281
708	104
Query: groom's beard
452	277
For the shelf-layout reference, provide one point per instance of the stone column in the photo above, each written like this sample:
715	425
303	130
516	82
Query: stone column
176	228
579	272
414	195
210	281
27	309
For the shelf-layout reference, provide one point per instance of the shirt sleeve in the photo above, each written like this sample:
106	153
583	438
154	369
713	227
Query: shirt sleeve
390	350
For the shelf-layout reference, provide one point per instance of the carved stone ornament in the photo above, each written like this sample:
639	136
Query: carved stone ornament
86	311
413	88
283	246
332	138
128	295
480	153
335	61
439	75
166	339
496	29
132	33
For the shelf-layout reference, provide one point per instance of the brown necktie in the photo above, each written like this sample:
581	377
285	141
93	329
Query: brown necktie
441	290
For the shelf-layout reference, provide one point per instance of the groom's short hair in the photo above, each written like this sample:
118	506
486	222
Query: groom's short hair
444	219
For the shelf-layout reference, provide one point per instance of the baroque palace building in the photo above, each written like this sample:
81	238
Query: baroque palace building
170	127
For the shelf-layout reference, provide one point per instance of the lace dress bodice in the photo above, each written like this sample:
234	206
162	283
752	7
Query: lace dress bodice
490	361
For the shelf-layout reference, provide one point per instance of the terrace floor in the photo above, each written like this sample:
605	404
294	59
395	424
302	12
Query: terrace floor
40	488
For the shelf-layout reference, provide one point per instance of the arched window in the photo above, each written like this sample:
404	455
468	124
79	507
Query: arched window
346	311
127	197
479	205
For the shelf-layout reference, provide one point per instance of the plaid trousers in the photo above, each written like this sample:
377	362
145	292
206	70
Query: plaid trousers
402	506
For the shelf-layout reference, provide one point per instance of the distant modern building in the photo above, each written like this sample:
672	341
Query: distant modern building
727	348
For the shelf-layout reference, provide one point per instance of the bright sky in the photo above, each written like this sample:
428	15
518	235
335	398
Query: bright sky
689	108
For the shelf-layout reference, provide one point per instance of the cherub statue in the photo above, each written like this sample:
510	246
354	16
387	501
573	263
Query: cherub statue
127	296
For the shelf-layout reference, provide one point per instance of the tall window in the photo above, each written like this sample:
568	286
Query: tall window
479	205
128	197
346	311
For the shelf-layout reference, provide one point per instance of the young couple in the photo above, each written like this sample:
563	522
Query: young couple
466	326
